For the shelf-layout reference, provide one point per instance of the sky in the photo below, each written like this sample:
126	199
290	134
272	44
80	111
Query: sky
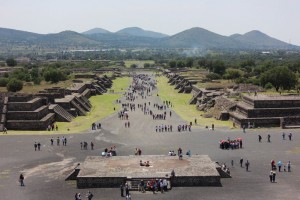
276	18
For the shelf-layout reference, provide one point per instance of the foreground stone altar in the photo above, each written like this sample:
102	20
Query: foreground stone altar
197	170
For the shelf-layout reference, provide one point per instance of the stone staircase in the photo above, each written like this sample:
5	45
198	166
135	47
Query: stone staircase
82	104
61	114
83	98
81	112
194	98
3	114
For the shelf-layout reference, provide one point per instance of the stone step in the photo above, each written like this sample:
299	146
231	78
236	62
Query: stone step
64	115
80	110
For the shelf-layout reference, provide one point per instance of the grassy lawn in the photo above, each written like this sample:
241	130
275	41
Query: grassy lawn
139	63
181	106
102	106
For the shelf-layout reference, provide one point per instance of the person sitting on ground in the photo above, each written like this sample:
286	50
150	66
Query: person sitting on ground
147	164
141	163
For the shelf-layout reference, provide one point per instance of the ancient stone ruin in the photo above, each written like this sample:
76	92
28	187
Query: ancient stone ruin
38	111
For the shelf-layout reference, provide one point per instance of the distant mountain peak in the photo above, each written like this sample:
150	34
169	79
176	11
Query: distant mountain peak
137	31
95	31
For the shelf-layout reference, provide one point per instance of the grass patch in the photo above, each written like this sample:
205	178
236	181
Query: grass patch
181	106
139	63
102	106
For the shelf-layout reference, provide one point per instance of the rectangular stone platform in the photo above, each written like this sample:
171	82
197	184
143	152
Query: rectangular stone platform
197	170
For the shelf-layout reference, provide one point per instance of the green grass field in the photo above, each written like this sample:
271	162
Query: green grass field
102	106
139	63
181	106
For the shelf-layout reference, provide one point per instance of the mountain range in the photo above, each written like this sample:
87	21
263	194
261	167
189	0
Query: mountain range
134	37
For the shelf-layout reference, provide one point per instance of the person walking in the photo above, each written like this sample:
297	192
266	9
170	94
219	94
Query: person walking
232	163
283	135
21	179
241	162
269	138
247	165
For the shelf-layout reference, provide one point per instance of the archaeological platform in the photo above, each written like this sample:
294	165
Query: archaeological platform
98	172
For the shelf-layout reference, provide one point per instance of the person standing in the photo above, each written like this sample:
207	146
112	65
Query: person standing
290	136
283	135
279	164
122	189
269	138
241	162
39	146
21	179
92	145
35	146
89	195
232	163
126	189
273	176
244	128
289	166
247	165
52	140
259	138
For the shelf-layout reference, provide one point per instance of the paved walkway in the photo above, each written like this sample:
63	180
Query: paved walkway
46	170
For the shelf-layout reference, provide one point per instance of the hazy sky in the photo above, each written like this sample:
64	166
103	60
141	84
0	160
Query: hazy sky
277	18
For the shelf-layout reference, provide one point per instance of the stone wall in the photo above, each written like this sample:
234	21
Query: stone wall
28	115
100	182
30	124
25	106
190	181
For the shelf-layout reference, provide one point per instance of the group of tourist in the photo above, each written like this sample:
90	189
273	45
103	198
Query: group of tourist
280	165
231	144
225	168
89	196
37	146
52	127
96	126
184	127
153	185
84	145
164	128
112	151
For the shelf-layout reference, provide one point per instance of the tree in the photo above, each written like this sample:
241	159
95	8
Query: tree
232	74
14	85
172	64
189	62
133	66
180	64
219	67
11	62
54	75
3	82
279	77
